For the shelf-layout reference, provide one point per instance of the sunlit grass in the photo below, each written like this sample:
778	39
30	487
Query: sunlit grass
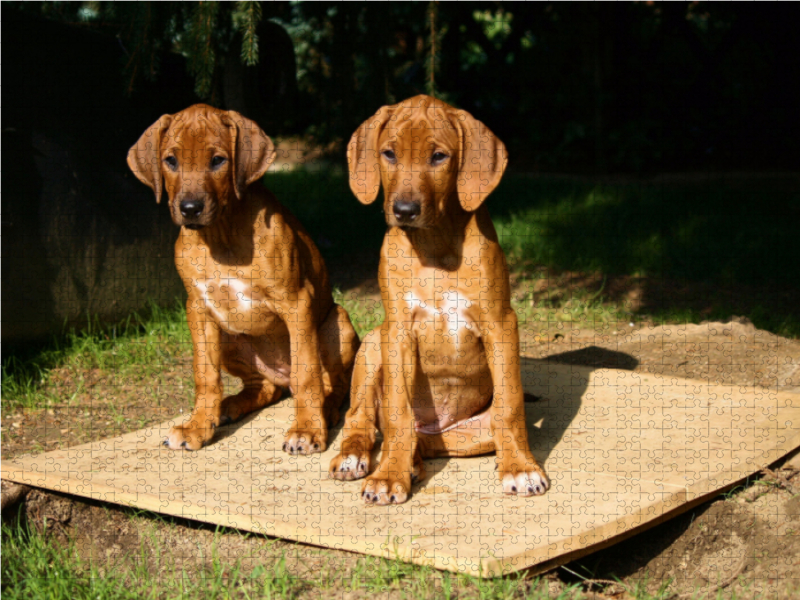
365	314
35	565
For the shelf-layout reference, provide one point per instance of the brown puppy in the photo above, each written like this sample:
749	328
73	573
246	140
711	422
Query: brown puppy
441	375
260	304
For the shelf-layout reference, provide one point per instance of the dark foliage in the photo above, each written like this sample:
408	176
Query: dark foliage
627	86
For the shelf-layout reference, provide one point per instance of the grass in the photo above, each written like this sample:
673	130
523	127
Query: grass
732	245
581	307
698	251
696	232
132	349
365	315
36	566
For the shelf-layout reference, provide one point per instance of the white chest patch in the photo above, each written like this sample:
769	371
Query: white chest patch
450	309
240	294
231	301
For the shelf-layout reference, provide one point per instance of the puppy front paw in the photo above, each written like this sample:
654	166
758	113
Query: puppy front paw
532	481
384	489
305	441
347	467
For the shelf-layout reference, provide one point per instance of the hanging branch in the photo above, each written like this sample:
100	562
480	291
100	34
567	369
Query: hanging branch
435	37
431	66
138	33
250	17
203	57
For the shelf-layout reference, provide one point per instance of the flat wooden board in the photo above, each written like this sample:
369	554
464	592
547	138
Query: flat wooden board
624	451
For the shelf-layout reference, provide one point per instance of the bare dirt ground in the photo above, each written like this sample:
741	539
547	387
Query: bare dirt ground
745	542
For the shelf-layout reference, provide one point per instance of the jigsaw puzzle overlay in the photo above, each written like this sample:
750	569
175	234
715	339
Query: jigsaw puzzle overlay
482	478
625	450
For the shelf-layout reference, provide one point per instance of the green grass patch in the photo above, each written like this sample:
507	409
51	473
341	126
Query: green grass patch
35	567
735	246
365	315
694	232
133	350
738	236
582	308
137	346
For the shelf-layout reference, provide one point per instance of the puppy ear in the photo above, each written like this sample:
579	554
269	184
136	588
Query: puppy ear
253	151
482	160
362	156
144	157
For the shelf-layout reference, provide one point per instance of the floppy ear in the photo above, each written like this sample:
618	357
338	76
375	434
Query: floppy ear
144	157
362	156
252	151
482	160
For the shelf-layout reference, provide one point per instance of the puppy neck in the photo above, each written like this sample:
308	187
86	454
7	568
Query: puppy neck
442	244
230	237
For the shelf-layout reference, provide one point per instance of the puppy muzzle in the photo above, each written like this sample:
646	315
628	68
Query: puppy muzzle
193	212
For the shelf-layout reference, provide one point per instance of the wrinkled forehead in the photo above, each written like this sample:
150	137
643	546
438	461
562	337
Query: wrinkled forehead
196	130
421	127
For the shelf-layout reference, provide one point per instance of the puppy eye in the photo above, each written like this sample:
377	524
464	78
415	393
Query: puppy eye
217	161
172	162
389	155
438	158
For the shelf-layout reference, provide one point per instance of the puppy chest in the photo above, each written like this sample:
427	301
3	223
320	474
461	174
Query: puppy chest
238	306
443	324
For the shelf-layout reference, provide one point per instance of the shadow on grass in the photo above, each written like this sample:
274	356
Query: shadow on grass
340	225
145	338
687	250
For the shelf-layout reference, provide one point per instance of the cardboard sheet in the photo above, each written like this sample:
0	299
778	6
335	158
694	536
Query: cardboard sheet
624	451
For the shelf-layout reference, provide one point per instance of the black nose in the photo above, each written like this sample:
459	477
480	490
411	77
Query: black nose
405	211
191	209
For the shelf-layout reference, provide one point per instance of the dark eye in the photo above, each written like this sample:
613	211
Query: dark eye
217	161
438	158
389	155
172	162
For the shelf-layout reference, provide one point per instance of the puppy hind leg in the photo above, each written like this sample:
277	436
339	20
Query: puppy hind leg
239	360
339	344
256	394
418	469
